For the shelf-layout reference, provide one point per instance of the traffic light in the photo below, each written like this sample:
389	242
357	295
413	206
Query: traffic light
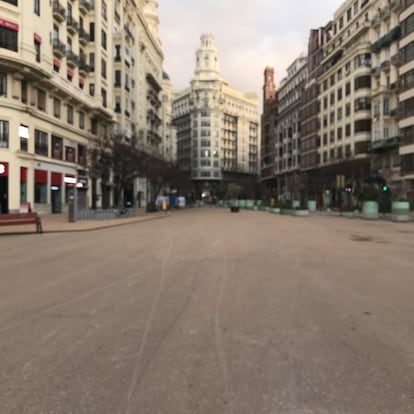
385	188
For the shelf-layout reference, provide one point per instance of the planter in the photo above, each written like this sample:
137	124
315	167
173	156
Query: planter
242	204
370	210
301	213
312	205
400	210
295	203
286	211
275	210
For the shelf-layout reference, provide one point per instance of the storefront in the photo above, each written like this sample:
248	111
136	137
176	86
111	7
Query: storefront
4	187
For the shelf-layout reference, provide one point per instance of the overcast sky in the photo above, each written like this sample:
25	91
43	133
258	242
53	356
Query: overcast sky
249	34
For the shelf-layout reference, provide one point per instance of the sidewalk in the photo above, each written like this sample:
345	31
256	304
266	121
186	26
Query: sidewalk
58	223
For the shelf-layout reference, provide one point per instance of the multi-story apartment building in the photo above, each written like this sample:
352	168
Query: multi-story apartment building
406	97
268	136
384	34
287	161
69	72
53	102
310	112
217	128
345	100
169	142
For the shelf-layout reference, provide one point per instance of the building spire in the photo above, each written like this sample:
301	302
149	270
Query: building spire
207	62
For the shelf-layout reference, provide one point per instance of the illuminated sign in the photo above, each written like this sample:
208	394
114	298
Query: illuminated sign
4	168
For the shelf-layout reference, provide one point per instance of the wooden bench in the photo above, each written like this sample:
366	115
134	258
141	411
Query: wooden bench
21	218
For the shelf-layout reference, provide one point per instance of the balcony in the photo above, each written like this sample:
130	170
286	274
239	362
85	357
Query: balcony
127	114
395	86
376	71
118	109
83	36
84	68
397	59
385	66
384	145
59	48
386	12
73	25
376	20
72	59
395	113
395	5
59	12
84	6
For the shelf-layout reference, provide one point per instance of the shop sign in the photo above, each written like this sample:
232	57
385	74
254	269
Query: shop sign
4	169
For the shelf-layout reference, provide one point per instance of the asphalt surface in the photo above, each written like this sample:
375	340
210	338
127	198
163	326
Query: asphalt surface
210	312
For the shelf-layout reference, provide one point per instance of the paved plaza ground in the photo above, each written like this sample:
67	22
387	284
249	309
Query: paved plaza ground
208	312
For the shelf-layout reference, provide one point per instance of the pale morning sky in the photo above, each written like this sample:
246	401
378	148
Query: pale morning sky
250	35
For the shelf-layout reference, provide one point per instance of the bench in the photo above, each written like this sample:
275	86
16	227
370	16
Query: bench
21	218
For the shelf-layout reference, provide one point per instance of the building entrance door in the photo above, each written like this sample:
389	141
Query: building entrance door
56	198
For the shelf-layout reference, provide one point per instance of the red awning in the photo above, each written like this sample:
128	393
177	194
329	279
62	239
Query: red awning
9	25
40	177
23	174
37	38
56	63
70	73
81	82
56	178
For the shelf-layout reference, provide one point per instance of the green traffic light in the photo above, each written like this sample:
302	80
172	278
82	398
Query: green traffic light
385	188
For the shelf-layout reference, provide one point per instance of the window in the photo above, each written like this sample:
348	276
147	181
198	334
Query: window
14	2
104	11
92	89
81	120
386	106
363	82
348	89
8	37
57	148
349	14
37	50
117	53
103	68
92	32
24	91
56	107
3	84
24	138
92	62
117	78
348	130
37	7
347	109
103	39
104	101
69	153
94	126
339	94
41	143
70	114
40	186
4	134
41	100
82	155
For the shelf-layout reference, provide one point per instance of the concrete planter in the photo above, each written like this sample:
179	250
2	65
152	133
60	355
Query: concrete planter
301	213
370	210
295	203
286	211
312	205
275	210
400	211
